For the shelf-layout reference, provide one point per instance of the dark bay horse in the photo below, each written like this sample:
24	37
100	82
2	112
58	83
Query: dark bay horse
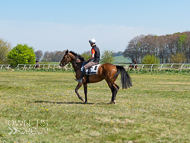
106	71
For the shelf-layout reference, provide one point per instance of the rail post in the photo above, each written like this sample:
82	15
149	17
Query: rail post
151	67
1	66
161	67
171	66
18	66
181	67
142	67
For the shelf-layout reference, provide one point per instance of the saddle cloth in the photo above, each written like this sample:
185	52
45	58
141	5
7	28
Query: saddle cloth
92	70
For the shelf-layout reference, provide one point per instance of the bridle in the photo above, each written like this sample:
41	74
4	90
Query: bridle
76	60
65	62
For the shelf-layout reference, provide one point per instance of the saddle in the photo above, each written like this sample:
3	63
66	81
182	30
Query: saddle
92	70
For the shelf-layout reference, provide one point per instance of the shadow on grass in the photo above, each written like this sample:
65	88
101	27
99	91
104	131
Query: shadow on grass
68	102
62	102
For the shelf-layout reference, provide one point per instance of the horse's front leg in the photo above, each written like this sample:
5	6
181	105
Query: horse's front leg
76	91
85	91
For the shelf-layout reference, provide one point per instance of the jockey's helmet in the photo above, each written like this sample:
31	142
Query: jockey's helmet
92	41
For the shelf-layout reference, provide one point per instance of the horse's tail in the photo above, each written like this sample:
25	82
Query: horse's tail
125	78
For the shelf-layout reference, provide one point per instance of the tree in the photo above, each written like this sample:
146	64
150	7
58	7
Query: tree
107	57
53	56
38	54
135	48
150	59
160	46
48	56
86	55
58	55
181	43
178	58
4	50
21	54
120	53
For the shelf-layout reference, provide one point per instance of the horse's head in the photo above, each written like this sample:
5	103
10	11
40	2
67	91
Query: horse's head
66	59
70	57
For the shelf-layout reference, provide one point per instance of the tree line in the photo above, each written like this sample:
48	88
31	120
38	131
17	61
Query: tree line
5	47
168	48
106	56
23	54
55	56
164	47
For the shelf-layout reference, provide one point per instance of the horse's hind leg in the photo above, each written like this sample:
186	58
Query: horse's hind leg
85	91
116	86
115	91
76	91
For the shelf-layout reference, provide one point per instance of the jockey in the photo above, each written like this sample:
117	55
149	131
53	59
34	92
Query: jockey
37	64
93	60
134	62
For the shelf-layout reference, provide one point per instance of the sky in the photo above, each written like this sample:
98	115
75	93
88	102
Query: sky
57	25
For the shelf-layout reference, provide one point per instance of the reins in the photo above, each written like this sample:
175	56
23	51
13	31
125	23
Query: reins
76	61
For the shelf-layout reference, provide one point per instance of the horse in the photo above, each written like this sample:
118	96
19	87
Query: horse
36	66
106	71
133	66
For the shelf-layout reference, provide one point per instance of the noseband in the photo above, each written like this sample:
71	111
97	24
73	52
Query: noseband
76	60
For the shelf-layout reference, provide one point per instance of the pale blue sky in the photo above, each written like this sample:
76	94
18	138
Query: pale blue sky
51	25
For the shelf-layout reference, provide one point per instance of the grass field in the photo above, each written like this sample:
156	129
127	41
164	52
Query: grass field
121	59
49	63
43	107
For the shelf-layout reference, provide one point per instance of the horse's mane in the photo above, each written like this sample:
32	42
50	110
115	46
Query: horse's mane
77	56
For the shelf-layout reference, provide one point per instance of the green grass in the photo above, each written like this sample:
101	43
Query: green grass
121	59
48	62
155	109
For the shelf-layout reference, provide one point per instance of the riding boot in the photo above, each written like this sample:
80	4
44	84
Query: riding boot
82	75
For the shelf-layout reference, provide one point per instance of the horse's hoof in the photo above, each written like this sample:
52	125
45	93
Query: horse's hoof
112	102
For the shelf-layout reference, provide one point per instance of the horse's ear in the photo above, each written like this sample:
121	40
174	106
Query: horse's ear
67	51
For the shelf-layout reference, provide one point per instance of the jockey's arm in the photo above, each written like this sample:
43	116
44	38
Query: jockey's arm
92	56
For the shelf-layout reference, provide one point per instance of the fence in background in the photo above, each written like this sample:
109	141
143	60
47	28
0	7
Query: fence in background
6	66
140	67
170	66
43	66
